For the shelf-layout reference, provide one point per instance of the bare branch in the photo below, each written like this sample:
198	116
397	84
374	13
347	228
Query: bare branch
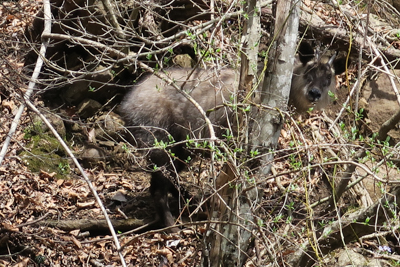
35	75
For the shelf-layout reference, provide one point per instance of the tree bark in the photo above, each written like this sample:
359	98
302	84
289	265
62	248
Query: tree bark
276	87
228	244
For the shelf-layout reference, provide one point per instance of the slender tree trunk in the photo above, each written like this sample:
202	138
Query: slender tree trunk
227	243
277	82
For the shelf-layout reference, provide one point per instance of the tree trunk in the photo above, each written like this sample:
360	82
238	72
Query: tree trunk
277	82
227	243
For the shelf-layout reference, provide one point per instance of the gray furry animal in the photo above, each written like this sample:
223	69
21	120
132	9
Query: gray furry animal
155	111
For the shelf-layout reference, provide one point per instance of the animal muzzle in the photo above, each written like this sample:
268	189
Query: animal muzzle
314	95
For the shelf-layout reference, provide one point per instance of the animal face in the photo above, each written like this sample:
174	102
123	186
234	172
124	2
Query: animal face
313	78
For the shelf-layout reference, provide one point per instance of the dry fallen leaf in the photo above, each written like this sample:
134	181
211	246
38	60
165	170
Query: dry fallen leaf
167	253
85	204
10	227
8	104
76	242
22	263
75	232
47	175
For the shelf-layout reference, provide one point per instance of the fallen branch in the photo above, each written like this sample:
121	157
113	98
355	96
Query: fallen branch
92	224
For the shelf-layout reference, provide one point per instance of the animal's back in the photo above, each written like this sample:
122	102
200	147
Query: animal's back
157	105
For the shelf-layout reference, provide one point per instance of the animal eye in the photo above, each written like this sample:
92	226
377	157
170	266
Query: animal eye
309	78
327	82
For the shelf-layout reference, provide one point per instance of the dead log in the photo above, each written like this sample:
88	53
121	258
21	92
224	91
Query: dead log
92	224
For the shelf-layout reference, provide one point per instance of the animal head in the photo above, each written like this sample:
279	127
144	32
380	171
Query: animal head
313	78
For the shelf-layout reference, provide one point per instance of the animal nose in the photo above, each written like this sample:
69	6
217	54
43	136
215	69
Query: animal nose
314	94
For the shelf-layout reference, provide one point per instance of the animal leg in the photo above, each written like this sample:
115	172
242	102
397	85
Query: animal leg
159	188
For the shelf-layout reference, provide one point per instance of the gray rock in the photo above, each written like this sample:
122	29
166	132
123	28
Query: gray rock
108	126
88	108
349	257
55	120
92	155
185	61
382	102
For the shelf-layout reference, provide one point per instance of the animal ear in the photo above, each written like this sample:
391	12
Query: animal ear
340	65
306	52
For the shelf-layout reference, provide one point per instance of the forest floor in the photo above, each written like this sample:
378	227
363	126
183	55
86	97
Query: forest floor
29	200
38	211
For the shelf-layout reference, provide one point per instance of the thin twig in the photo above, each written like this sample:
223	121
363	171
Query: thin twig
32	83
391	79
113	19
353	90
34	221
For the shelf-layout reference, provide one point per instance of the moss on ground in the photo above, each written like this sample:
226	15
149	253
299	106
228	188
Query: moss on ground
44	152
